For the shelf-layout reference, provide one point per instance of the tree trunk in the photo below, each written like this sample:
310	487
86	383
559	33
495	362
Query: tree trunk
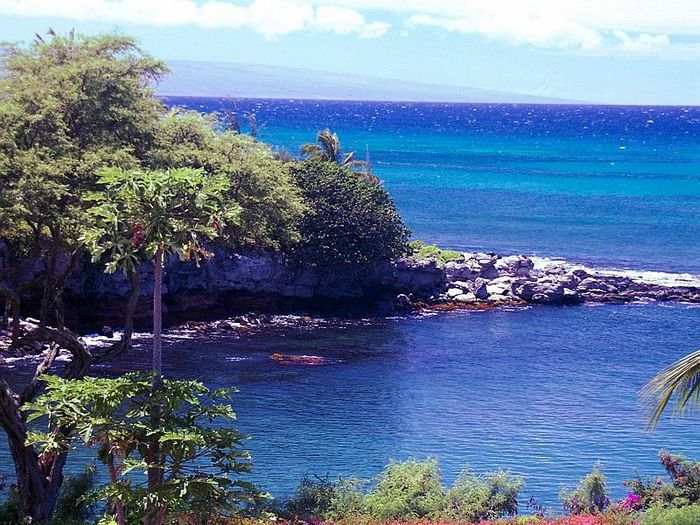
12	300
39	478
5	321
155	470
158	315
16	327
131	305
39	481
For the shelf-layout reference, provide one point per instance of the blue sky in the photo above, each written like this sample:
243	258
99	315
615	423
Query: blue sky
610	51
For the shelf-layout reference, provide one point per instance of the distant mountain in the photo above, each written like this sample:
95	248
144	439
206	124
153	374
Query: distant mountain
219	79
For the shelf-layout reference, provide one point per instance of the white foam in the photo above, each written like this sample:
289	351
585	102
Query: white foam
641	276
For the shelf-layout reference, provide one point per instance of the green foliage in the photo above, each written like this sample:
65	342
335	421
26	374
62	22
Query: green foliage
198	452
312	498
683	490
421	251
678	382
658	515
407	490
141	211
318	497
327	149
590	496
350	221
410	490
9	510
483	497
270	201
75	503
69	105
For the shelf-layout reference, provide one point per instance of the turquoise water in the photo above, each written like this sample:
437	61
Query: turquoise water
544	391
604	185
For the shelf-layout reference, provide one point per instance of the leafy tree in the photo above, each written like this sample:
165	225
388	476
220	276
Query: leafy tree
68	105
350	222
680	380
198	453
327	149
148	215
270	201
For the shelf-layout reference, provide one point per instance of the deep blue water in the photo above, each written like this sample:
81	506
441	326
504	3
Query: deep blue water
545	391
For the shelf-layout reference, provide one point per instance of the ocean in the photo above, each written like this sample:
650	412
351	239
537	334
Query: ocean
543	391
607	186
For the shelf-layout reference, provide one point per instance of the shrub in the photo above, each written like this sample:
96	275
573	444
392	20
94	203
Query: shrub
684	489
75	504
658	515
489	496
318	498
407	490
590	495
312	499
421	251
350	221
196	451
9	509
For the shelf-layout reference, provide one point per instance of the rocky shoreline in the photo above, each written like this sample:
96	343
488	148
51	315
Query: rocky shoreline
216	299
487	278
238	283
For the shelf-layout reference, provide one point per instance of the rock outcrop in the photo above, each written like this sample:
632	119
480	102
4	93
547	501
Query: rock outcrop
236	282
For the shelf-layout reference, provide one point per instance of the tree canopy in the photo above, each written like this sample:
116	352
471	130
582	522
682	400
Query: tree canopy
351	220
270	201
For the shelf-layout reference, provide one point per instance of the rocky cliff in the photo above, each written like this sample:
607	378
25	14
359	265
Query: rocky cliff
235	282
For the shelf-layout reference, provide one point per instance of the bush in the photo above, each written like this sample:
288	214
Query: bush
350	221
312	499
590	495
661	516
75	503
321	498
683	491
407	490
9	509
411	490
421	251
489	496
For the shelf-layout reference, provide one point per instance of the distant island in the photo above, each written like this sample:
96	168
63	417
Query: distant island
221	79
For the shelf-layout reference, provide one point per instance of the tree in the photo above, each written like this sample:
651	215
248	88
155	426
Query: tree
350	222
271	203
681	379
199	451
327	149
148	215
68	105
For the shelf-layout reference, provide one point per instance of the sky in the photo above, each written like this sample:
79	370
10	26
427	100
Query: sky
604	51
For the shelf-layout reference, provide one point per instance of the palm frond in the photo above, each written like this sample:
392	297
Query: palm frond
680	380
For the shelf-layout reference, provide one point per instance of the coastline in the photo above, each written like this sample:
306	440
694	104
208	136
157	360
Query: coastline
244	293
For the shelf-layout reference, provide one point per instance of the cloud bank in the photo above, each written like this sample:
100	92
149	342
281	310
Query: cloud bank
271	18
668	28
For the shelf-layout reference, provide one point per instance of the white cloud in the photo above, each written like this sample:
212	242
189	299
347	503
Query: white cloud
641	43
342	21
658	27
269	17
669	28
